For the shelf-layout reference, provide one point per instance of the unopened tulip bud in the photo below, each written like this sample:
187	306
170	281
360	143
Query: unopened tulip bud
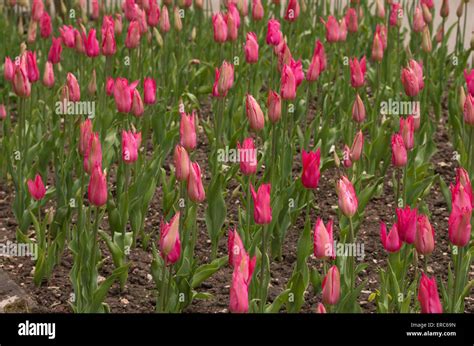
254	113
426	40
427	16
357	147
92	86
48	75
358	110
181	163
196	191
178	24
331	286
460	10
274	106
444	11
399	151
36	188
462	97
424	241
97	189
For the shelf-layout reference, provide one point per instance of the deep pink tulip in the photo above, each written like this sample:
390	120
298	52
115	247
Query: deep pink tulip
323	241
196	191
67	35
187	131
406	224
381	30
410	82
318	63
85	135
46	27
79	37
20	82
74	92
224	80
153	14
462	178
131	142
54	54
181	163
331	286
129	9
468	111
232	27
358	70
418	21
292	11
399	151
377	48
8	69
149	91
274	106
254	113
239	258
123	95
32	67
109	46
274	35
48	75
109	86
91	44
137	104
93	153
461	211
251	48
133	35
220	27
239	299
311	168
320	309
36	188
37	10
469	77
233	10
428	296
396	14
170	244
407	131
288	83
417	67
332	30
390	242
357	146
247	156
97	189
424	240
347	198
297	67
262	212
351	20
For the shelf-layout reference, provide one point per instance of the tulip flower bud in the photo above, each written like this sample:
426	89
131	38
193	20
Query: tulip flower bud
247	156
131	142
85	130
426	40
149	90
74	92
390	242
288	83
380	9
92	86
399	151
323	242
48	75
444	11
469	110
407	130
358	70
424	241
262	212
54	54
164	22
427	16
358	110
187	131
311	168
351	20
331	286
459	11
357	146
181	163
133	35
254	113
318	63
332	30
20	82
196	191
3	112
418	20
37	10
36	188
406	224
251	48
239	300
20	27
346	157
377	48
347	198
257	10
170	244
97	189
274	35
32	67
428	296
178	24
320	309
274	106
137	104
224	79
8	69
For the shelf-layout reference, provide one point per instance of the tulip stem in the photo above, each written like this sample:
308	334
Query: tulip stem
168	288
263	285
351	261
249	201
457	281
162	288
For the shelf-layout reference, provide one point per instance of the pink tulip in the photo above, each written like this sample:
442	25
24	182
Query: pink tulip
239	300
274	106
32	67
257	10
85	131
74	92
254	113
67	36
320	309
262	212
133	35
331	286
417	67
170	244
220	27
351	20
196	191
424	240
399	152
251	48
153	14
346	156
20	82
130	9
292	11
187	131
357	146
8	69
234	12
274	35
377	48
468	111
462	178
181	163
347	198
46	27
381	31
428	3
36	188
406	224
390	242
323	242
311	168
48	75
130	145
97	189
79	37
410	82
164	22
418	21
297	67
288	83
358	70
93	153
396	14
109	86
407	131
332	30
342	31
224	80
37	10
247	156
428	296
137	104
318	63
149	91
123	95
469	77
118	25
109	46
232	27
92	44
461	212
54	54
